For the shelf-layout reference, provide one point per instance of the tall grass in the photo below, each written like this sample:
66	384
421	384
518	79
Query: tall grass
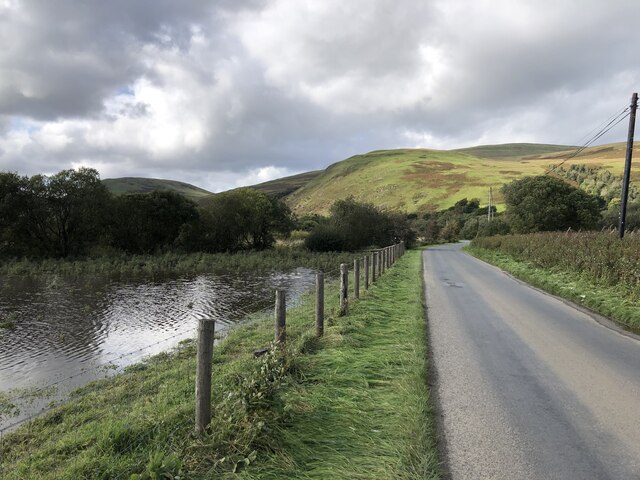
601	257
282	258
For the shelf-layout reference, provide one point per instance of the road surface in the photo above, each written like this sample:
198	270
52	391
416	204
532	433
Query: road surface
527	386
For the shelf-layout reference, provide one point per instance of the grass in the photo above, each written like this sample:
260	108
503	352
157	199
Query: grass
282	258
119	186
418	180
353	404
612	301
286	185
362	410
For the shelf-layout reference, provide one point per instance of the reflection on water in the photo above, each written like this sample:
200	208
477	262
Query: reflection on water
61	327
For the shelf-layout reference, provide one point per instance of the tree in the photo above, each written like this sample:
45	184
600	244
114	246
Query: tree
546	203
353	225
239	219
149	222
76	203
52	216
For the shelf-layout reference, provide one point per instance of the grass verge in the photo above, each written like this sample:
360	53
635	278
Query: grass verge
612	301
362	410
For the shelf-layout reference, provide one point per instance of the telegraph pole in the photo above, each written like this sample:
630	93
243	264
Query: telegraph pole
627	164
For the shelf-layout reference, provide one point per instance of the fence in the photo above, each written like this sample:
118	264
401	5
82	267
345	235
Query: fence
275	323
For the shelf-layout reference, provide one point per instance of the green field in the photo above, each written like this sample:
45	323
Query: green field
119	186
419	180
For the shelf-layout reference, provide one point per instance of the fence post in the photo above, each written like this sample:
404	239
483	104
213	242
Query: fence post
366	272
319	304
384	260
344	289
356	278
374	263
206	330
281	317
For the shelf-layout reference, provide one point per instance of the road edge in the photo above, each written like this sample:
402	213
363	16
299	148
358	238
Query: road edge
595	316
432	381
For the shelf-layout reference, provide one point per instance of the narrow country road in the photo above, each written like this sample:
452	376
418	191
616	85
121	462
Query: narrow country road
527	386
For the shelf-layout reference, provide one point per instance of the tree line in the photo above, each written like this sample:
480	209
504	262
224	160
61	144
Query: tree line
533	204
72	214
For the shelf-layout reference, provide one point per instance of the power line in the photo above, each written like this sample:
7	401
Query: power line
615	120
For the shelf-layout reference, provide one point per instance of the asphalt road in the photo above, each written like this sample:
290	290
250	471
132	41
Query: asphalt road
527	386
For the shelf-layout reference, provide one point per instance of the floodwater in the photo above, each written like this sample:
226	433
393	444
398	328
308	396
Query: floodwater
63	332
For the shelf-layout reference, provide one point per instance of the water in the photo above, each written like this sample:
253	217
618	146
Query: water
68	331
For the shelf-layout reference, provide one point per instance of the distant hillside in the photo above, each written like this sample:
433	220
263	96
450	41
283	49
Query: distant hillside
119	186
415	180
287	185
512	150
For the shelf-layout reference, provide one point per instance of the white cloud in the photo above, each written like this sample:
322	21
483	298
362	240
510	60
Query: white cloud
239	92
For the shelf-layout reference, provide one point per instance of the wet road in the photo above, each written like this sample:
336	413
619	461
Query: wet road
528	387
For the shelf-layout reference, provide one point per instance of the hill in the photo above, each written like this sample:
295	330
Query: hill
282	187
119	186
417	180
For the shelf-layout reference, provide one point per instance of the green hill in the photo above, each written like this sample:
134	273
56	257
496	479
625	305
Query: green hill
119	186
286	185
416	180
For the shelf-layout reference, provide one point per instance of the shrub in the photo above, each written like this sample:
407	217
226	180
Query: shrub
325	238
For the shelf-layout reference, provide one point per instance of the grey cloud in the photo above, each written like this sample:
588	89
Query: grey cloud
551	83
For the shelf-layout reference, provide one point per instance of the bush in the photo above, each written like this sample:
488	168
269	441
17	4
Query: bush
325	238
542	203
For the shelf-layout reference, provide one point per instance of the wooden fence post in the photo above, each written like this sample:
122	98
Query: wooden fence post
366	272
344	289
206	330
319	304
384	260
374	266
356	278
281	317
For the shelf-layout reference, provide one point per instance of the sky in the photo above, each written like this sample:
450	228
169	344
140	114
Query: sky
228	93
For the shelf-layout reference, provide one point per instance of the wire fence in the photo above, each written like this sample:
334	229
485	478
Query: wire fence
143	402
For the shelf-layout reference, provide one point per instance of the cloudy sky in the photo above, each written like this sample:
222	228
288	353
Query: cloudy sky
233	92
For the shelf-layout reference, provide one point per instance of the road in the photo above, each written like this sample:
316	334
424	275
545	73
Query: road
526	385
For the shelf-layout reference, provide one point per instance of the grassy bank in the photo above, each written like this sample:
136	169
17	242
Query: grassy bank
362	410
611	300
351	405
282	258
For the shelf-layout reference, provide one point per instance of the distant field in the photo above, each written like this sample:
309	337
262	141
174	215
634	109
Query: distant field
119	186
418	180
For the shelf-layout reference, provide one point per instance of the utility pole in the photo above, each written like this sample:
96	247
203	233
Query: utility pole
627	164
490	209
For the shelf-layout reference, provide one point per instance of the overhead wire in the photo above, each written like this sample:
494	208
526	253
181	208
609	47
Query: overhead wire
613	121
